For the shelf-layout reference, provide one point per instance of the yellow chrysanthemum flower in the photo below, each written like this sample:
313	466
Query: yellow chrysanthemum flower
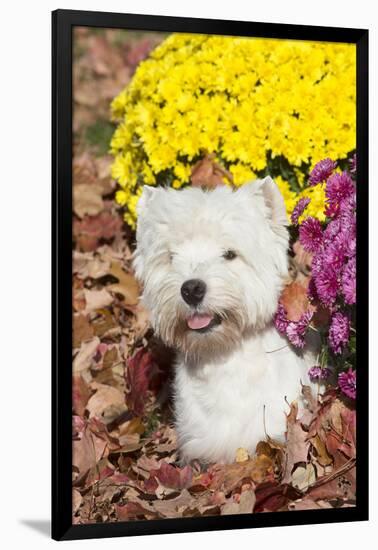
256	104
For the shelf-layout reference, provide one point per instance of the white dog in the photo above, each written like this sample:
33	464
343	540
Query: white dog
213	264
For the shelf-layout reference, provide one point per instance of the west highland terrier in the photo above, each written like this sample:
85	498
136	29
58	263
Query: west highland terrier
213	265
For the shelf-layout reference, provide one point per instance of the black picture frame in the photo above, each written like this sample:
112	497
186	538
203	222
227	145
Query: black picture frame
63	22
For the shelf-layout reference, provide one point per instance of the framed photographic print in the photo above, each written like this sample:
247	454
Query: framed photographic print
210	199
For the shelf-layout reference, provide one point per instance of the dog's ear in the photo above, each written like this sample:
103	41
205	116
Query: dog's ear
146	198
273	200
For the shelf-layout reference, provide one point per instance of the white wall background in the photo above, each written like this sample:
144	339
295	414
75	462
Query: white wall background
25	269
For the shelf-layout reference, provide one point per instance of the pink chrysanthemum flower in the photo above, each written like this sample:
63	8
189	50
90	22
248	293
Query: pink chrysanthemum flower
339	187
296	330
348	281
318	373
280	319
311	234
339	331
347	383
334	254
321	171
299	209
327	285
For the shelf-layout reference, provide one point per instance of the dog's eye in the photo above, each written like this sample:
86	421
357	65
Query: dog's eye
229	255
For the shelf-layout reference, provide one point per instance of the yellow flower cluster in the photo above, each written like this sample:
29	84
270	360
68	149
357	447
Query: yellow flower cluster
248	100
316	194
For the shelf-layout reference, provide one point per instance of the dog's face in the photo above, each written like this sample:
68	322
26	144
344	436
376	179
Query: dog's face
212	263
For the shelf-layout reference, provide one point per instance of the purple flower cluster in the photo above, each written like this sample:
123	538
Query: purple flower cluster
339	332
334	248
321	171
294	330
332	287
311	234
347	383
318	373
299	209
339	188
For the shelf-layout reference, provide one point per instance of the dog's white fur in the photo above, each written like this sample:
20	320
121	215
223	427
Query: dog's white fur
232	384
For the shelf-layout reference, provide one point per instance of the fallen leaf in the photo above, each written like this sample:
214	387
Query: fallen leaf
174	507
127	285
247	502
104	322
80	394
209	173
308	504
96	299
87	199
297	443
322	456
141	375
241	455
88	451
82	330
85	355
87	264
134	510
77	499
172	477
295	301
89	230
303	477
272	496
107	402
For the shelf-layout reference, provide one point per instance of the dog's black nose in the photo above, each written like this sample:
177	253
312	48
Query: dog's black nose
193	291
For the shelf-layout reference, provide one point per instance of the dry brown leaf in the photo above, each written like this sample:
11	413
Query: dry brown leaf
85	355
244	505
104	323
77	499
295	301
322	456
174	507
303	477
103	166
82	330
87	451
96	299
87	200
106	402
297	443
80	394
86	264
127	285
241	455
209	173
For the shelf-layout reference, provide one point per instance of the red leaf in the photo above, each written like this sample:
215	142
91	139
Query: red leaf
271	496
137	379
142	377
172	477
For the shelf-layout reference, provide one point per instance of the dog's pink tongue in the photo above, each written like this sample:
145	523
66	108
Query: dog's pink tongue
198	321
